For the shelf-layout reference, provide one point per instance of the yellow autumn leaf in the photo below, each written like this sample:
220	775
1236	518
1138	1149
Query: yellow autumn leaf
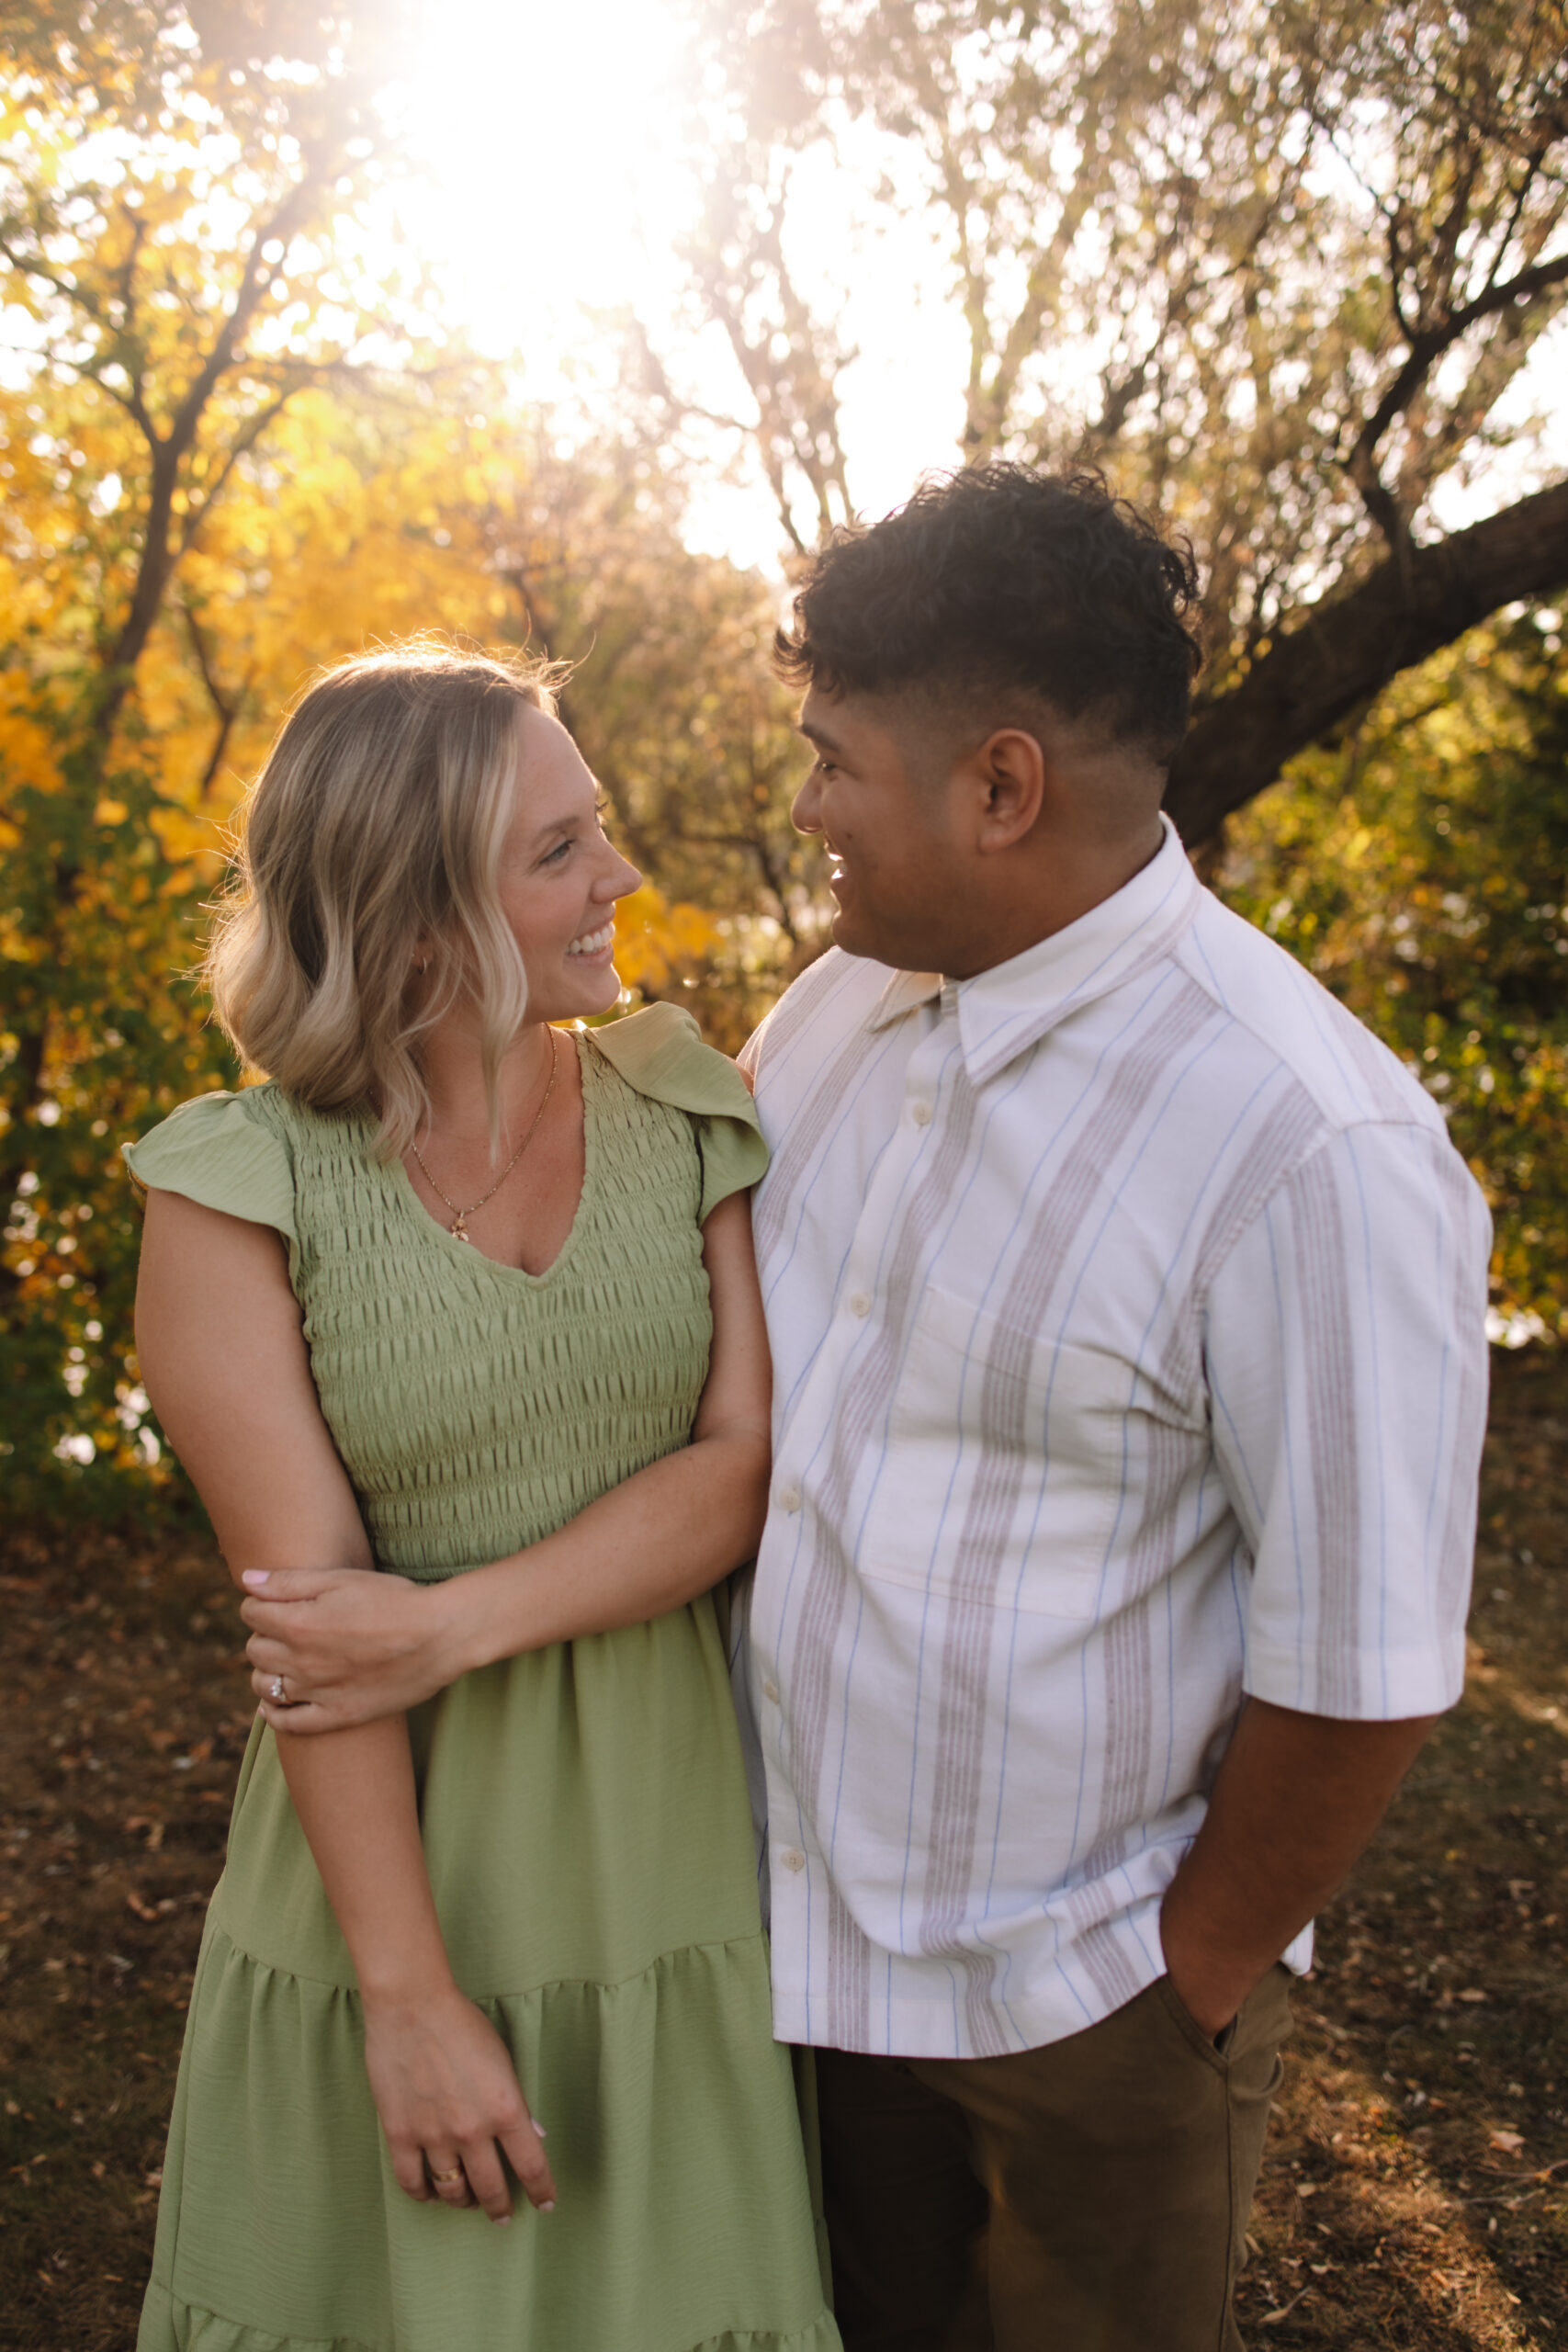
29	748
657	941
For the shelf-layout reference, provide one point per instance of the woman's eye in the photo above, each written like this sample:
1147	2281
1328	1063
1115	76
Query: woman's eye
557	855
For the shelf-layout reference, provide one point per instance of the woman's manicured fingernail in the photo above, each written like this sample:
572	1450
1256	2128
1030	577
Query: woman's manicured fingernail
538	2125
500	2219
550	2208
255	1575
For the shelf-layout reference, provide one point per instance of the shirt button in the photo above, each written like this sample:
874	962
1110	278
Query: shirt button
771	1691
792	1859
789	1498
859	1302
921	1114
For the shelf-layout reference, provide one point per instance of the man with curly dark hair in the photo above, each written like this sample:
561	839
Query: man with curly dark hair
1127	1304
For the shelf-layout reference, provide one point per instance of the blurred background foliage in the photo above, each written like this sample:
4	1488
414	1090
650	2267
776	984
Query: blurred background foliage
233	458
236	442
1420	869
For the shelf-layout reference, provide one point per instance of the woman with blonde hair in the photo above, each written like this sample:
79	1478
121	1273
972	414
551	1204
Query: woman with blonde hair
467	1297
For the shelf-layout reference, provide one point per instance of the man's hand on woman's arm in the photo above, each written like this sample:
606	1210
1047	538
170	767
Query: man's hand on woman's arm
356	1648
1294	1801
222	1353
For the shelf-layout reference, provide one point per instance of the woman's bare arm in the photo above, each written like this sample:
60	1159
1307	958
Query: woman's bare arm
357	1652
224	1356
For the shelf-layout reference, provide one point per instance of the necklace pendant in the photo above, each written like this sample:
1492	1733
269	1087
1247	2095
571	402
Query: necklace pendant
458	1228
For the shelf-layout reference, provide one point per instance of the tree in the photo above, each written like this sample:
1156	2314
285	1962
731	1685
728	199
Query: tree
173	196
229	457
1276	267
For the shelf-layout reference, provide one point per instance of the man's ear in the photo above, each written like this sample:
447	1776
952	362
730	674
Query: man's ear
1008	776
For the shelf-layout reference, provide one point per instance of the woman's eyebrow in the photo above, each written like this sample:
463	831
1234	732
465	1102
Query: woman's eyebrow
564	824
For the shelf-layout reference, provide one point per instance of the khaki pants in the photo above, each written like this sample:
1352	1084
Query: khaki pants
1088	2197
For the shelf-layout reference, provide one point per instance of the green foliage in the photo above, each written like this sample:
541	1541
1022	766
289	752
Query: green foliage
1277	266
1219	248
226	460
100	1035
1421	871
160	204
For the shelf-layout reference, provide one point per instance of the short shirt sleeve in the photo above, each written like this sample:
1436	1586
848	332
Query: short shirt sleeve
216	1152
661	1052
1346	1361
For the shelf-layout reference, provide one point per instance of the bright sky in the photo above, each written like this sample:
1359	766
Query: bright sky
550	136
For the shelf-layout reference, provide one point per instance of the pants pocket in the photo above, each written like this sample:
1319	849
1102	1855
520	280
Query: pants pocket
1214	2055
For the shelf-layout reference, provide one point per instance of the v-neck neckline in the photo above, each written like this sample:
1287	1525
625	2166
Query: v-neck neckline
469	1252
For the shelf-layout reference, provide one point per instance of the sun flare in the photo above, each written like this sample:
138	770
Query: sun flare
553	190
552	184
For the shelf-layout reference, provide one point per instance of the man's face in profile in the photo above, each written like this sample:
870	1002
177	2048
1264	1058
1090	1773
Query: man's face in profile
889	838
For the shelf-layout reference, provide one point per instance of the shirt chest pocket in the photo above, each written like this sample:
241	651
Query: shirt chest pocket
1004	1477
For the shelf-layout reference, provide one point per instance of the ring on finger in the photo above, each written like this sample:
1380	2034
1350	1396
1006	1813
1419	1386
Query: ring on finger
446	2179
276	1692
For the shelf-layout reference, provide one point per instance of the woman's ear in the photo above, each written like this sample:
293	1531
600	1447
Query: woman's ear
1009	773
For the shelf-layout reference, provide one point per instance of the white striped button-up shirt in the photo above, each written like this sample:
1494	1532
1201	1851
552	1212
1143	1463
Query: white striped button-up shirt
1127	1312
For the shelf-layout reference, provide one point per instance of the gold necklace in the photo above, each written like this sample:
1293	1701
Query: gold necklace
458	1228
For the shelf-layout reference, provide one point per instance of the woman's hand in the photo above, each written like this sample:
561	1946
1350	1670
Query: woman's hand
349	1648
449	2102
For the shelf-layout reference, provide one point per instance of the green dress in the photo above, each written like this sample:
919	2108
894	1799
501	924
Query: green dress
583	1807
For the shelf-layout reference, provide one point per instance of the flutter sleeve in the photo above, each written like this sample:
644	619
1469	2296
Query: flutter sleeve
661	1052
216	1152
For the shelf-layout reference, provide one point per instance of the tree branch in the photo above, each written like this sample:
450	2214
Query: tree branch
244	441
226	710
168	451
255	279
1428	343
30	266
1348	650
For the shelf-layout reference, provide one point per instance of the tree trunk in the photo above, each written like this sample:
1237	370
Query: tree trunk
1346	651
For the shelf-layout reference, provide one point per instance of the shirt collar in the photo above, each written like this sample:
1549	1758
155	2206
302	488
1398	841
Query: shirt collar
1003	1011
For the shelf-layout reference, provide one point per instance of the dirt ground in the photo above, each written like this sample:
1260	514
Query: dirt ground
1415	2189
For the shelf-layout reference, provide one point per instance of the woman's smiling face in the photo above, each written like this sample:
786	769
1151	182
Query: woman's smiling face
559	878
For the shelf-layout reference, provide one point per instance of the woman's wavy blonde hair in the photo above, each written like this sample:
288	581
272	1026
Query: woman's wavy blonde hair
372	840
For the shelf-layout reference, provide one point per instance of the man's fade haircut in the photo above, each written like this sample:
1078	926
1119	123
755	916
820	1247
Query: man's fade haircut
999	580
